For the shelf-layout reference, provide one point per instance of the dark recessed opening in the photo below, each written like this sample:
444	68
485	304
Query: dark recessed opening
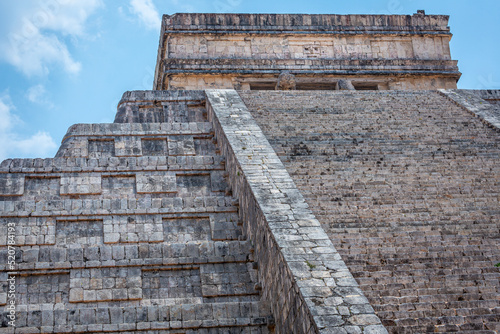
262	85
365	86
313	86
316	86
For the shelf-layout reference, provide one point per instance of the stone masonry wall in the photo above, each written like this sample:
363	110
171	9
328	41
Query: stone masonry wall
309	47
199	51
131	228
406	184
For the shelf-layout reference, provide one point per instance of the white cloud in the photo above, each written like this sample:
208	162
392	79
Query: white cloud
39	95
38	145
7	120
34	31
147	13
12	144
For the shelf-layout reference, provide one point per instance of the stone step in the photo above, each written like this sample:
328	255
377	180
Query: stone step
405	184
239	317
110	164
125	206
130	254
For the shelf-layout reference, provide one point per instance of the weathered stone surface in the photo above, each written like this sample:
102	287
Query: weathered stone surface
286	81
81	184
11	185
405	184
344	84
143	225
265	189
118	235
155	183
375	51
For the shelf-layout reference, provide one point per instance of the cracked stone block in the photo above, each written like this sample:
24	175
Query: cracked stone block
79	232
154	147
155	183
81	184
128	146
99	148
181	145
105	284
133	229
11	185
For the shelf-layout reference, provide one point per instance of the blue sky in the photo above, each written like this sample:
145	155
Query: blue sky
69	61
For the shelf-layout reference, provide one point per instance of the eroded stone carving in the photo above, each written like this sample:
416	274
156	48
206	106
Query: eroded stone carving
286	81
344	84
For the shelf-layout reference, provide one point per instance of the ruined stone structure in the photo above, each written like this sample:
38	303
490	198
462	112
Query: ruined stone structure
311	208
248	51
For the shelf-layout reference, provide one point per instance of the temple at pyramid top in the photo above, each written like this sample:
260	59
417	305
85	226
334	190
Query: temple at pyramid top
250	51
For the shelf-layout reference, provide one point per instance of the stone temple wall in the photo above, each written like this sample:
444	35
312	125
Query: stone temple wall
248	51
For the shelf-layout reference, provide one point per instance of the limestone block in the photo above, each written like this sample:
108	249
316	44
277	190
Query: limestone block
163	284
193	184
154	147
128	146
119	185
106	284
218	181
133	229
183	230
98	148
181	145
344	84
29	231
36	290
286	81
3	298
155	183
74	147
226	279
87	232
81	184
11	185
224	227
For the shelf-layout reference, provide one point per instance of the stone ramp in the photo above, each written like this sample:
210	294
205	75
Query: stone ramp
131	228
406	184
